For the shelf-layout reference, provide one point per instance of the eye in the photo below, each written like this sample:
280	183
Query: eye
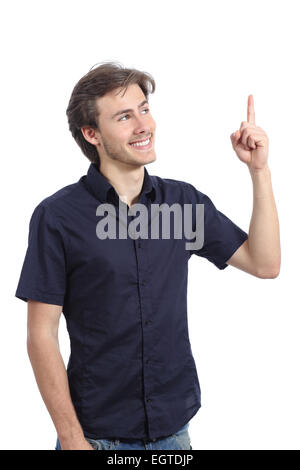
125	115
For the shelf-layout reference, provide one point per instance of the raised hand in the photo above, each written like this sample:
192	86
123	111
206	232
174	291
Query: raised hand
250	142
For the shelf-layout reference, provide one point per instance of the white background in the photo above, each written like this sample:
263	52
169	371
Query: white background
206	58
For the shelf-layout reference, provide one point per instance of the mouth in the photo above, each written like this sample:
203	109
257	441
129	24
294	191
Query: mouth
142	145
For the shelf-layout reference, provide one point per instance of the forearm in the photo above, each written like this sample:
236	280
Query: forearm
264	236
51	377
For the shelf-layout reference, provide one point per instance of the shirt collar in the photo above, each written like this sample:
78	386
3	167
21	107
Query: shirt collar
100	186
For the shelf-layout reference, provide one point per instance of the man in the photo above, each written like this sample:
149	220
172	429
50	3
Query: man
131	380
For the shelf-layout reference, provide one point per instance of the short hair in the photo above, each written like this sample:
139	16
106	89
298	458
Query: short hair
82	109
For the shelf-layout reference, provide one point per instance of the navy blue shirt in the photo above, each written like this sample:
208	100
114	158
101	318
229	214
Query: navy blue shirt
131	371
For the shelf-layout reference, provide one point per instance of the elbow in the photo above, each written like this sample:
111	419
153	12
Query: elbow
268	274
36	341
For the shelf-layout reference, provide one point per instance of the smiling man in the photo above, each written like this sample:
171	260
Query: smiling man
131	380
124	139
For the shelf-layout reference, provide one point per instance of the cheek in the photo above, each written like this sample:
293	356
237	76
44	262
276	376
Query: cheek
151	123
121	137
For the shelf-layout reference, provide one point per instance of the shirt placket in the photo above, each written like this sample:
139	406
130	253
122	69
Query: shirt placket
147	325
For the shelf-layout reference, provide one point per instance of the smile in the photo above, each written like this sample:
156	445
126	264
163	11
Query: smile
142	145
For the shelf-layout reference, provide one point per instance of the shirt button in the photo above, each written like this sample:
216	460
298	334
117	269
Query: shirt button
147	362
147	322
143	283
148	399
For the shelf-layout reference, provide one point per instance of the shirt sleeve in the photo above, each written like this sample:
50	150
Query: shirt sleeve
43	275
222	237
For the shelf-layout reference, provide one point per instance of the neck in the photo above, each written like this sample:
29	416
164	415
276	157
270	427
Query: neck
127	180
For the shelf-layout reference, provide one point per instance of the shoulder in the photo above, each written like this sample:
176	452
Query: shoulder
57	202
53	209
186	190
62	196
168	181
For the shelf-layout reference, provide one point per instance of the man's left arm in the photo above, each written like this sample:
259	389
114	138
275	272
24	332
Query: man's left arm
260	254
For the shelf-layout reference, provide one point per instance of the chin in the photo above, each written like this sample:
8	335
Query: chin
144	157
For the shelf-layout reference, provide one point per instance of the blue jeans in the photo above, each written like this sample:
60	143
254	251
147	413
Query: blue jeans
180	440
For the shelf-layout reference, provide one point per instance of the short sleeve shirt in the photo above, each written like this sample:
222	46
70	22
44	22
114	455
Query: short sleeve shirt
131	370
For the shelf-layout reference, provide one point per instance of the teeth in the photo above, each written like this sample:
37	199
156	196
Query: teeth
141	144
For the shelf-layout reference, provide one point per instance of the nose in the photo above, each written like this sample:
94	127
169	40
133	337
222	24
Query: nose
142	126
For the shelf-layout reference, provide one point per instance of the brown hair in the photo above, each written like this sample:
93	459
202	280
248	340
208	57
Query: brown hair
82	110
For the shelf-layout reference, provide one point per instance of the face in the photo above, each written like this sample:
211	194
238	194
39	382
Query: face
120	128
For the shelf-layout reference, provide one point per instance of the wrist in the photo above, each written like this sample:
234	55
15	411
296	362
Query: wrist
78	443
70	436
72	442
259	171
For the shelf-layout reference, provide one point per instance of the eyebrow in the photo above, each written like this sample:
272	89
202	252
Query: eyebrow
128	110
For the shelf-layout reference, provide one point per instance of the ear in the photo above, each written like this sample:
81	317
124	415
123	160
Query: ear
90	134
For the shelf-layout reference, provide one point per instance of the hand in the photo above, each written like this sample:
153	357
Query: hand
250	142
75	444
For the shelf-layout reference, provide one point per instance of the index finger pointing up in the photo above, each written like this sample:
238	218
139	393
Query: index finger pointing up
250	110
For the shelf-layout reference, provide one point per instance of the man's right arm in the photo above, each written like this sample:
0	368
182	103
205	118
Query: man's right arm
50	373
